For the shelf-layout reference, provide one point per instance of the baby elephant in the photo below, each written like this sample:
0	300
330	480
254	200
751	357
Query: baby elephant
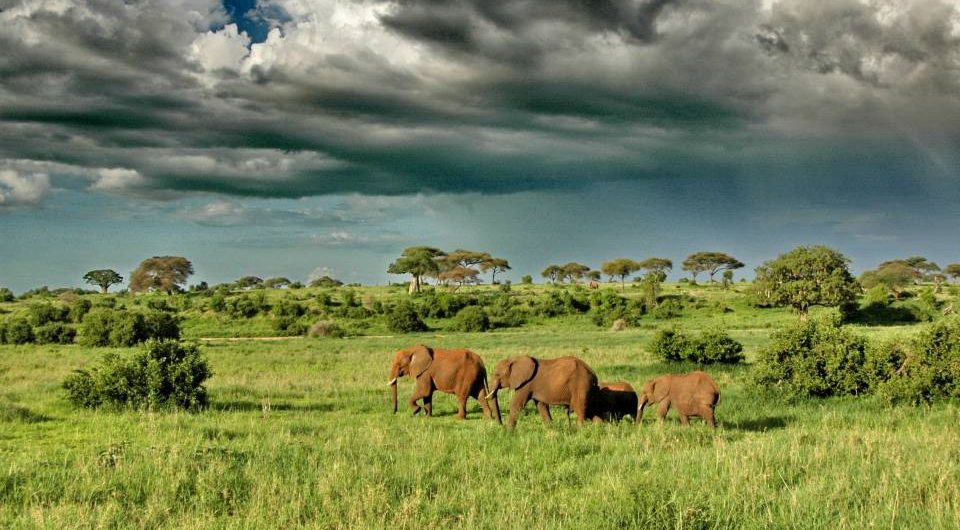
613	401
692	394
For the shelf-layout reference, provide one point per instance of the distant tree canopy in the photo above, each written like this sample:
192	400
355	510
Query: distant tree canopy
921	267
594	275
249	282
894	275
161	273
554	273
325	281
807	276
620	268
574	271
277	283
495	266
459	275
656	265
953	271
709	262
103	278
460	266
417	262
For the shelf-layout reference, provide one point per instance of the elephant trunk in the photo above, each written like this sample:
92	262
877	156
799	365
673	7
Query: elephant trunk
640	406
493	391
394	375
494	404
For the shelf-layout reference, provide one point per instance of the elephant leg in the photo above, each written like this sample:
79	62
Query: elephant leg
579	406
544	412
422	390
519	400
480	395
462	405
662	409
684	419
428	404
707	413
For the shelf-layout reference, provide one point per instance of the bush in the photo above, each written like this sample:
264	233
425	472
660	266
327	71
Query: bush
403	318
471	319
245	306
159	325
287	308
526	279
607	307
667	308
922	371
162	374
817	358
17	331
326	328
43	313
711	347
78	309
441	304
6	295
54	333
288	325
107	327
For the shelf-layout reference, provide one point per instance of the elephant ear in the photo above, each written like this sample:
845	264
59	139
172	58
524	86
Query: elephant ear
420	361
521	371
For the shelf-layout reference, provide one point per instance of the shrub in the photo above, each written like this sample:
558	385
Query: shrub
667	309
54	333
162	374
6	295
107	327
326	328
288	325
78	309
440	304
159	325
471	319
246	306
712	346
816	358
43	313
403	318
287	308
17	331
924	370
526	279
218	302
608	307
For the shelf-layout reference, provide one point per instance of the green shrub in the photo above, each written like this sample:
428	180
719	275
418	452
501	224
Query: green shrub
218	302
526	279
6	295
54	333
924	370
667	308
39	314
326	328
606	307
78	309
162	374
441	304
247	306
287	308
403	318
816	358
471	319
288	325
158	325
17	330
107	327
712	346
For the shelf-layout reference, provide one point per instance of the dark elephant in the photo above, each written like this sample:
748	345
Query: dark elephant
692	394
613	401
564	381
459	371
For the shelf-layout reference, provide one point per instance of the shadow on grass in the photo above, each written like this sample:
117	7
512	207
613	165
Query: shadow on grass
13	412
241	405
770	423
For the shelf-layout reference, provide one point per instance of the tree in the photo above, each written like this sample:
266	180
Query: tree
161	273
459	274
103	278
249	282
417	262
553	273
575	271
727	279
894	275
495	265
620	268
921	267
594	275
656	265
709	262
325	281
953	271
807	276
277	283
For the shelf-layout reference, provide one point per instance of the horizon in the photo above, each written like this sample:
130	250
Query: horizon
282	138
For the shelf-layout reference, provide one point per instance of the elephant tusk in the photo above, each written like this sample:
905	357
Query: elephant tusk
392	381
490	395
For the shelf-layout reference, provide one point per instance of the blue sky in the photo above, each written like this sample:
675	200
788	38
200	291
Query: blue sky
290	138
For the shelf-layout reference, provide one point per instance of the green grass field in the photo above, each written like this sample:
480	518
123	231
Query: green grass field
299	433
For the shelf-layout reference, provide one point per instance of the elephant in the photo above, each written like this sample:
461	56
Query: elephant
456	371
613	401
692	394
562	381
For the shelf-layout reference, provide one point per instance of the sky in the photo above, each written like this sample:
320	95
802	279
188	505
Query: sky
306	137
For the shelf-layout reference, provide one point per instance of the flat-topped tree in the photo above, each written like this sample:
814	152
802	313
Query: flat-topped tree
805	277
710	262
594	275
894	275
161	273
553	273
277	283
953	271
103	278
922	268
495	266
249	282
620	268
656	265
575	271
459	275
417	262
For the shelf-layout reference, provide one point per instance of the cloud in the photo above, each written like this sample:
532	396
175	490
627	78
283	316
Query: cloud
409	96
18	189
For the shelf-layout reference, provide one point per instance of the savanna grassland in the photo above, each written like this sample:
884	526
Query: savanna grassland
298	433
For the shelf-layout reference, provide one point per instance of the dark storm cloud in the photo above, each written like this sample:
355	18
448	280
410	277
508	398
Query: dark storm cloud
159	99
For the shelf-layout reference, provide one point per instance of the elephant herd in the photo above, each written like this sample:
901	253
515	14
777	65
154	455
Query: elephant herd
566	381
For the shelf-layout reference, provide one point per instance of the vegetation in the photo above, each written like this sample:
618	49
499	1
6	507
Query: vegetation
103	279
709	262
805	277
161	273
620	268
710	347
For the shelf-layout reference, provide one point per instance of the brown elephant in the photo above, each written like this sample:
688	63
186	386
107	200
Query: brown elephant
692	394
563	381
613	401
459	371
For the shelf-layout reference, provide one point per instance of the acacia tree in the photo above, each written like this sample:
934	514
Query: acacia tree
161	273
953	271
277	283
417	262
495	265
921	267
554	273
459	274
807	276
894	275
594	275
249	282
620	268
103	278
709	262
575	271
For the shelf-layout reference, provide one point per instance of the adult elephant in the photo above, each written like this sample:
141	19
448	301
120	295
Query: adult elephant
564	381
458	371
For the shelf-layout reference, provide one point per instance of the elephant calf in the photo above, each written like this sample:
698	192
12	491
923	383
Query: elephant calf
692	394
563	381
460	372
613	401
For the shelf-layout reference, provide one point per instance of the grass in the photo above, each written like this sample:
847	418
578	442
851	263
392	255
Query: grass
299	435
